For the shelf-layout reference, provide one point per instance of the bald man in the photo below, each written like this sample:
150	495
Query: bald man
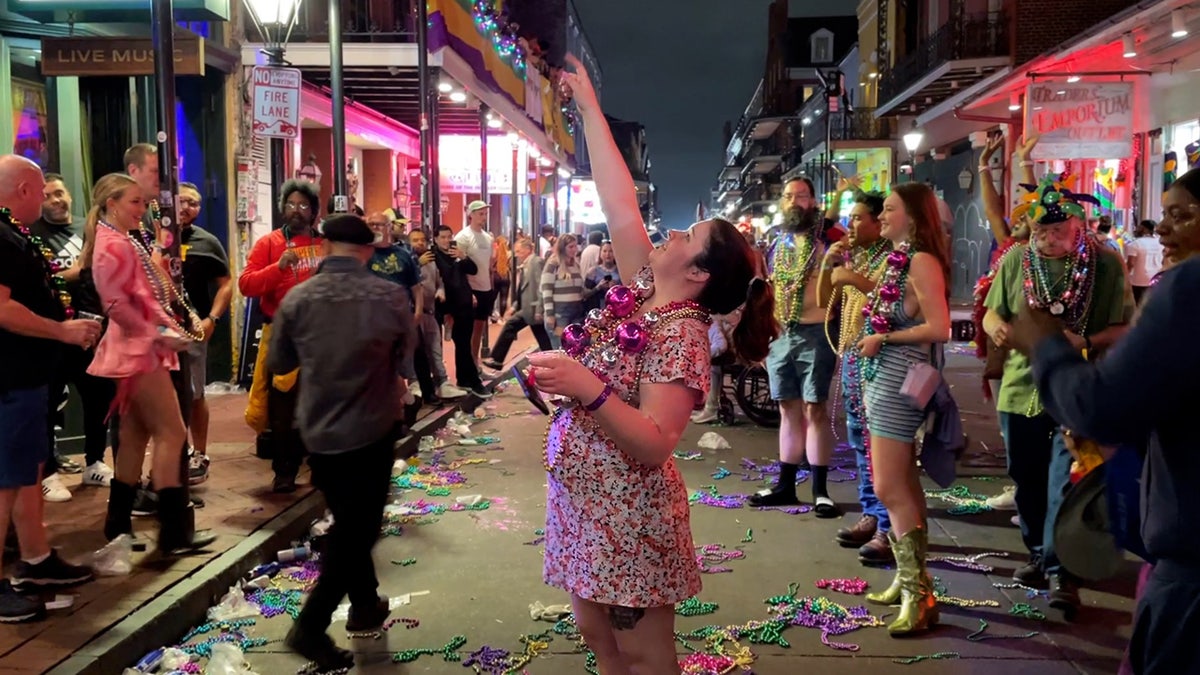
32	325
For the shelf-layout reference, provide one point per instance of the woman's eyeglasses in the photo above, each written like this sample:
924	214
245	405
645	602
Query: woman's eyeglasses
303	208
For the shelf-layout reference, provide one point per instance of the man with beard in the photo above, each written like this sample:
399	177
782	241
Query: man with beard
800	364
850	271
276	264
1065	272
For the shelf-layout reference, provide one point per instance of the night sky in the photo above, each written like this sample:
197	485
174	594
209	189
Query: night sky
682	74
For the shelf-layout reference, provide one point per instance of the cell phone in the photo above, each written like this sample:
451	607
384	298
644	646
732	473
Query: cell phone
608	277
453	244
531	392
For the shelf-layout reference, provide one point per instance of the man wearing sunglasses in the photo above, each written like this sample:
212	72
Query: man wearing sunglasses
276	264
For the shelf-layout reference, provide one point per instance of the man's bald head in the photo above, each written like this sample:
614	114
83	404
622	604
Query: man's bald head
21	185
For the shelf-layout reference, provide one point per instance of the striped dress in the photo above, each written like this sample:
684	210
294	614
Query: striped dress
889	414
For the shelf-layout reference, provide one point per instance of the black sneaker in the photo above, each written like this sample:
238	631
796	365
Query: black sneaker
284	485
15	608
67	465
481	392
146	503
197	469
493	364
319	649
368	619
1031	574
53	572
1064	595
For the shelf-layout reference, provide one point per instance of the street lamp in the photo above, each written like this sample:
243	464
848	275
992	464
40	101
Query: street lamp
274	20
912	141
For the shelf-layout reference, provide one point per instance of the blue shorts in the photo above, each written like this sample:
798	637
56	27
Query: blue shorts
800	364
24	436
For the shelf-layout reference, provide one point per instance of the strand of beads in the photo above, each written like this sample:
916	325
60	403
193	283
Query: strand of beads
709	496
694	607
944	598
720	473
792	264
939	656
968	562
1073	303
885	302
749	538
405	562
711	558
978	635
274	601
58	285
855	586
688	456
963	501
448	652
1027	611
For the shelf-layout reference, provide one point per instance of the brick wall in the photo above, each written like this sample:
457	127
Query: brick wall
1041	25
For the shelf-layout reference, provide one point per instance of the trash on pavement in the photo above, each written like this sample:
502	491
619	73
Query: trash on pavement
711	440
227	659
115	559
233	606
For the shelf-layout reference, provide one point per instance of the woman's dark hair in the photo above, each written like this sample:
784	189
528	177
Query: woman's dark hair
730	262
305	188
1148	225
927	234
872	200
1190	182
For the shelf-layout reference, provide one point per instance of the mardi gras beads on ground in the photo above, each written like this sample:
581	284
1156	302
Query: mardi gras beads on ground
711	557
448	652
968	562
963	500
694	607
274	601
978	635
940	656
944	598
1027	611
855	586
710	496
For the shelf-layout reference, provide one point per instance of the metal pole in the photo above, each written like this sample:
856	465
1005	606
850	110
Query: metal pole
512	204
485	350
341	201
278	157
554	186
423	100
435	180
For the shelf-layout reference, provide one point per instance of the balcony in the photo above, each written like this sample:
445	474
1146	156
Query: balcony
860	125
757	198
957	56
763	157
362	21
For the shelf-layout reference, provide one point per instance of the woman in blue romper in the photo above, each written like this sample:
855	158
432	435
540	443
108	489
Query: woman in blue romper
909	315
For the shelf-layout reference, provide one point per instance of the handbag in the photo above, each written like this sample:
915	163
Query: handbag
920	384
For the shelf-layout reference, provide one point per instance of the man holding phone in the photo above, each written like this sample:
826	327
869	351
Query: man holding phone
455	267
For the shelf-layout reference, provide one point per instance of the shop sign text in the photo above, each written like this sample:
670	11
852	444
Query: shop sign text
1081	120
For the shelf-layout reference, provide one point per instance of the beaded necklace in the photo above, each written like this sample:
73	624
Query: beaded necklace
57	284
867	262
791	268
883	302
168	296
1070	296
607	333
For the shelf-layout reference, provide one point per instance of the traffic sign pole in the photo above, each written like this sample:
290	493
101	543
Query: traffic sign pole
276	115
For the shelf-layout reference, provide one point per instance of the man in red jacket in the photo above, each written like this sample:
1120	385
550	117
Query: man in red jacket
277	263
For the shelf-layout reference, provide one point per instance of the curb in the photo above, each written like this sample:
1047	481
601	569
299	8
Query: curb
180	607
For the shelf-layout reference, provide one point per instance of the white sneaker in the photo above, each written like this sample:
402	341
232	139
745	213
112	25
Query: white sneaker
53	489
1005	501
1016	521
449	391
97	473
705	416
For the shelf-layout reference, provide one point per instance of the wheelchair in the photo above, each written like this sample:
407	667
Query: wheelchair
749	388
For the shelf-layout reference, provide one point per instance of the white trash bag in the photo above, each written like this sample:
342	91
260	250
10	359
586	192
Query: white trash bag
227	659
115	559
711	440
233	606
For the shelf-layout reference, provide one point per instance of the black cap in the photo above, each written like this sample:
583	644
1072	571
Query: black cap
348	229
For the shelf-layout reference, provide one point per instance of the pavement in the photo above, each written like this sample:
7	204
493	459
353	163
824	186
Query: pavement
474	572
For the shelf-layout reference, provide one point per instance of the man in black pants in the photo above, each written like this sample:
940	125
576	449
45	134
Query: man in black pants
526	306
345	329
459	307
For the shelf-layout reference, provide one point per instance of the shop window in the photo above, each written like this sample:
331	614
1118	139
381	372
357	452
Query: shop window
34	135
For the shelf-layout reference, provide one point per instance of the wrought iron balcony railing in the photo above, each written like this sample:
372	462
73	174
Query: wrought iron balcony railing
973	36
362	21
860	125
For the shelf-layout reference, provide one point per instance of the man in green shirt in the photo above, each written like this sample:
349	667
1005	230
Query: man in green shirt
1064	272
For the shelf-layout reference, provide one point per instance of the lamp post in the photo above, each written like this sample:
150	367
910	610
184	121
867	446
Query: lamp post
341	201
912	142
274	20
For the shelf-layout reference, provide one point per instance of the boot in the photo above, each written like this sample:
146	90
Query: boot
177	524
859	533
918	606
890	595
878	551
120	509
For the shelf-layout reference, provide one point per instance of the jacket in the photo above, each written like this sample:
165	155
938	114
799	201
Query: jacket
944	440
130	344
527	294
454	279
262	277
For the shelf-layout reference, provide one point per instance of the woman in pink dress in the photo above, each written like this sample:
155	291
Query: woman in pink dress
139	348
618	537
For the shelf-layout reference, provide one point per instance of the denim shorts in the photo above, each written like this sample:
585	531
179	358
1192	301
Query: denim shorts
800	364
24	436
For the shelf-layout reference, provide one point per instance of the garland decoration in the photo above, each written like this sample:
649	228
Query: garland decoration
502	33
54	269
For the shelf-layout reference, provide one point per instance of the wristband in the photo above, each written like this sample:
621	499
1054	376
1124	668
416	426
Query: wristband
983	167
595	405
214	318
1026	162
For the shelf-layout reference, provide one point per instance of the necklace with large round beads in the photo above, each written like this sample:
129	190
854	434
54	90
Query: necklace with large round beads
795	259
165	292
54	269
1073	303
884	302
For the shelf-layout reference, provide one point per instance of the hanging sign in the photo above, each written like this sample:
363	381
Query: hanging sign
1081	120
117	56
276	102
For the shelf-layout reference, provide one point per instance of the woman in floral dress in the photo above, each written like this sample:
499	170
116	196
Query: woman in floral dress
618	537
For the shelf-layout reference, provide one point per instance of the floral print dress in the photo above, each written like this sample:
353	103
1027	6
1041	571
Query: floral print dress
617	531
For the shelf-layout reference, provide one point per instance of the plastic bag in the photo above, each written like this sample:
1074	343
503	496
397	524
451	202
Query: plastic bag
233	606
227	659
174	659
711	440
115	559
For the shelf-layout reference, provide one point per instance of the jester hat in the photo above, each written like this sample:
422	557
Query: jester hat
1053	201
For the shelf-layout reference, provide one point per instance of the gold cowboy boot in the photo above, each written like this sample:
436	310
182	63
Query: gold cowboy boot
918	606
890	595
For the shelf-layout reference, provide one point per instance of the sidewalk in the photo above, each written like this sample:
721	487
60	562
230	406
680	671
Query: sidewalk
238	504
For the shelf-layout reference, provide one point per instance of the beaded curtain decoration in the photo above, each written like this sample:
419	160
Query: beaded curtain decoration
608	333
57	284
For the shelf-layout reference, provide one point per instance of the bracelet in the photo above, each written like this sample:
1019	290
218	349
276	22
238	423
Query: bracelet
595	405
214	318
983	167
1025	162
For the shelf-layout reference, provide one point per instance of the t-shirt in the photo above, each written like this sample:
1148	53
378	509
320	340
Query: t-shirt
478	246
28	362
65	239
397	265
1018	394
1145	257
204	264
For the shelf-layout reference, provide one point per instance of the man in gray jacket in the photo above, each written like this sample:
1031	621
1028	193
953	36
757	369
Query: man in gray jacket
526	306
346	328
